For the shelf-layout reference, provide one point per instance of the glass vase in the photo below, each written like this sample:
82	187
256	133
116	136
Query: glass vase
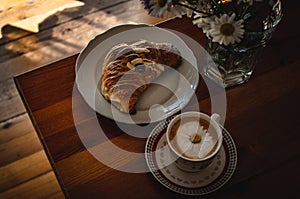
233	64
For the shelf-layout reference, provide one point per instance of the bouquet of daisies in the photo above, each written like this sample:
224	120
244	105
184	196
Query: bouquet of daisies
223	21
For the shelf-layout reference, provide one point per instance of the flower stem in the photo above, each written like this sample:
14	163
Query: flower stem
216	4
244	11
218	7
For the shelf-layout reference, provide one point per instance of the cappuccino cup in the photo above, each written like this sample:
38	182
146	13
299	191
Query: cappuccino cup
194	139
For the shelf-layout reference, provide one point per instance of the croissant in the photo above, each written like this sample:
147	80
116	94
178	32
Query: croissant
128	69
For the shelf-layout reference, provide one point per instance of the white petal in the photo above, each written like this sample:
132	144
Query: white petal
225	41
231	19
223	19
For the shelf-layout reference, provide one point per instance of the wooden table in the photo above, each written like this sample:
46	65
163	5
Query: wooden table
261	118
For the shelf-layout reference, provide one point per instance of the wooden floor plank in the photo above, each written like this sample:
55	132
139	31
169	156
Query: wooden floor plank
57	195
28	15
11	33
41	187
14	128
19	148
7	89
10	108
55	44
24	170
10	102
32	42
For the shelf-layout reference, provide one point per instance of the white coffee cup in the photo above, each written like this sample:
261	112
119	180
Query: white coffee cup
194	139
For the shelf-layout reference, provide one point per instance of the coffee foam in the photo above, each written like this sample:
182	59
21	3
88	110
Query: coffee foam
184	132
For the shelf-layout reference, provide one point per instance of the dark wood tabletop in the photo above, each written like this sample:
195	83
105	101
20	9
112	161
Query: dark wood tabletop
262	117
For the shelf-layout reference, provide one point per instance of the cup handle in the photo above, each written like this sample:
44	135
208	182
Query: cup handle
216	117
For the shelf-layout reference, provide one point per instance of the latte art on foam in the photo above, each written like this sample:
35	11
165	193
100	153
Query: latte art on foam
193	140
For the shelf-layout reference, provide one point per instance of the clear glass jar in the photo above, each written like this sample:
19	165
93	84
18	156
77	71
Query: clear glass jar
233	64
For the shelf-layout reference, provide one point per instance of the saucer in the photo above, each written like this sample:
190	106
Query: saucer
203	182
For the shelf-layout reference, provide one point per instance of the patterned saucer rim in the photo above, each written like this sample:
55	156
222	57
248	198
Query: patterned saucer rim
230	166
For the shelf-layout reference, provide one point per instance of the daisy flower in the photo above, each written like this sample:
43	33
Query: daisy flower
203	22
225	30
161	8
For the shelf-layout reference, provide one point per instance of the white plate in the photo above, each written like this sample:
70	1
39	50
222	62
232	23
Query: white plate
164	97
203	182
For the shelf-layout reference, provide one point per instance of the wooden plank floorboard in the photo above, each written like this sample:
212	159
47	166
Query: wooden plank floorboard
19	147
28	43
7	90
10	108
10	101
10	33
40	187
54	44
24	170
14	128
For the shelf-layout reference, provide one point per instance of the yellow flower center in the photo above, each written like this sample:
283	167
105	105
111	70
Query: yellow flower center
227	29
195	138
161	3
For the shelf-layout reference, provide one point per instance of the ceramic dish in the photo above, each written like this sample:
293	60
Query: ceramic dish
165	96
